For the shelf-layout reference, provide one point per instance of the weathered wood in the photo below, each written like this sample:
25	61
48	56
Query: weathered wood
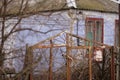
90	63
49	46
112	64
51	61
79	47
48	39
28	61
99	43
68	60
61	45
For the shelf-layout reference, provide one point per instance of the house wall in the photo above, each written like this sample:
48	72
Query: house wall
109	24
48	24
45	25
56	22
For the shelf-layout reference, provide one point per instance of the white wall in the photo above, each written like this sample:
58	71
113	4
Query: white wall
109	24
61	20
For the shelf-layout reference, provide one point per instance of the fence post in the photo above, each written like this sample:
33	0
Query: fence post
50	61
112	64
67	54
90	63
28	63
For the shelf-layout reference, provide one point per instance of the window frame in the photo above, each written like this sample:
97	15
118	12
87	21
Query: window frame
95	20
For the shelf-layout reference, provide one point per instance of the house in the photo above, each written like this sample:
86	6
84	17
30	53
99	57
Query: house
93	19
59	14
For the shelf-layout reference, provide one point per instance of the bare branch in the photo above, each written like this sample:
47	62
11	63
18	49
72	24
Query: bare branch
30	29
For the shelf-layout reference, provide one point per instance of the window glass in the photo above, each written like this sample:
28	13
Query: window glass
98	31
89	31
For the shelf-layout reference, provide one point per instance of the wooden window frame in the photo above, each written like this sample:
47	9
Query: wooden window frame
94	20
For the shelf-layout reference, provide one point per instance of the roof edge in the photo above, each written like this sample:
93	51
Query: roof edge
56	10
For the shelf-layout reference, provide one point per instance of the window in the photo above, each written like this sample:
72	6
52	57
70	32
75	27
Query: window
116	33
94	29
